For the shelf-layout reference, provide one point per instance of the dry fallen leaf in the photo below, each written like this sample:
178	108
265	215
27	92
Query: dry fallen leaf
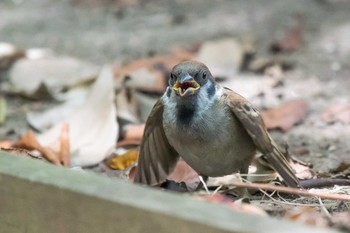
150	74
126	143
184	173
6	144
235	205
123	161
55	74
341	220
30	142
285	116
337	112
133	132
302	171
225	181
93	129
132	173
42	121
20	152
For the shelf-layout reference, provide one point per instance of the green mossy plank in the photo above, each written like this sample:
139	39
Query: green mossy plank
39	197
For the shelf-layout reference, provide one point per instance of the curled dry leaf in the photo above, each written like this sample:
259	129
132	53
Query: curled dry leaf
123	161
337	112
93	129
132	173
65	150
30	142
285	116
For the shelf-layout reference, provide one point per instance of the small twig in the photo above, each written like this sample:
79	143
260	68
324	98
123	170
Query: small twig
204	184
323	208
289	190
216	190
324	182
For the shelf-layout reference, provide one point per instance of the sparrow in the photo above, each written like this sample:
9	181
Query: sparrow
214	129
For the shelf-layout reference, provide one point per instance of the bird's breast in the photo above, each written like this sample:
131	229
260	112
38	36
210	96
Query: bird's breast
211	141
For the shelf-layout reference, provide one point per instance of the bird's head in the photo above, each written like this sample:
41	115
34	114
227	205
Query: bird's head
189	78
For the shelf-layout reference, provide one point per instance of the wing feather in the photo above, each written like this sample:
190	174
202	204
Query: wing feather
255	127
157	158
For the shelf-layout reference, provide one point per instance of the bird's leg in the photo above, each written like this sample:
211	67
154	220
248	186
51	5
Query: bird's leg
243	192
202	183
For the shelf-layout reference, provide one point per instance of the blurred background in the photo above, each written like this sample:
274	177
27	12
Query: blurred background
121	30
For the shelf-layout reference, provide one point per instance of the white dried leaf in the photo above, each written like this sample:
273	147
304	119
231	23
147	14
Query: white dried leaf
26	76
93	126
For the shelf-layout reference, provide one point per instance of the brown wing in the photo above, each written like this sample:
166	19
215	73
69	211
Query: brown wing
255	127
157	158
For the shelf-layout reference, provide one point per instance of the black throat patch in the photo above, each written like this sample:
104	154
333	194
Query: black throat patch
185	113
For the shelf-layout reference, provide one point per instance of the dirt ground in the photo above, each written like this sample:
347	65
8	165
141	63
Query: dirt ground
117	32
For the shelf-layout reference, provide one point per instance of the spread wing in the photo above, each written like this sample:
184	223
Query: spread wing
255	127
157	158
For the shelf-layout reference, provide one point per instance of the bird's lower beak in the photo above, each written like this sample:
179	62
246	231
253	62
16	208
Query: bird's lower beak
186	87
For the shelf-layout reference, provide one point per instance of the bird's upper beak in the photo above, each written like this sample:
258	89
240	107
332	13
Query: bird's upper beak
185	85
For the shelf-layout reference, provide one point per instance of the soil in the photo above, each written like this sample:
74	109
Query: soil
120	31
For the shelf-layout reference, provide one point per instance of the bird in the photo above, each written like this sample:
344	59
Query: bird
213	129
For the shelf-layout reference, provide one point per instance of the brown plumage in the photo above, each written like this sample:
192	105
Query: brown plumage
214	129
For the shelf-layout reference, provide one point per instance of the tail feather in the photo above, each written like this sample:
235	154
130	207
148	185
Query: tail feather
281	165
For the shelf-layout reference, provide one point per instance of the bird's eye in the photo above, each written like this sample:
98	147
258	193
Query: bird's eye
204	76
172	77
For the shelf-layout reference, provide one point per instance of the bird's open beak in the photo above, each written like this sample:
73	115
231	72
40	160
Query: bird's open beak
186	86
